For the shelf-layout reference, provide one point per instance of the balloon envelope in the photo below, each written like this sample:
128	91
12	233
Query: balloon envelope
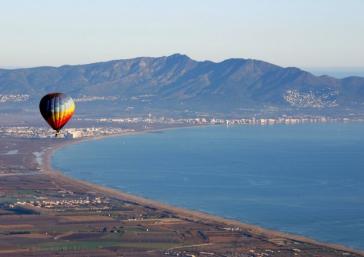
57	109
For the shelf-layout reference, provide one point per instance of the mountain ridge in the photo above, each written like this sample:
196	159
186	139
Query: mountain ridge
179	82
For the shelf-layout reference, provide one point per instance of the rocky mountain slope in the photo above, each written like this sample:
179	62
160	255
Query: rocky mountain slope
177	82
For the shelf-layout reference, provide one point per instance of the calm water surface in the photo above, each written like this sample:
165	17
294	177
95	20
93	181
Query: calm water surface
304	179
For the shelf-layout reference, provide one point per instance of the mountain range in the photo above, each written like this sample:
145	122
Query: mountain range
177	83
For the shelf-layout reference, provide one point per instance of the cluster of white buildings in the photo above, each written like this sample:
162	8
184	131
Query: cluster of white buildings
72	133
282	120
64	203
261	121
310	99
13	98
114	120
85	98
93	131
36	132
215	121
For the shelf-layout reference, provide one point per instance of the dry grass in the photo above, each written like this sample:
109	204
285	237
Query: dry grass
85	218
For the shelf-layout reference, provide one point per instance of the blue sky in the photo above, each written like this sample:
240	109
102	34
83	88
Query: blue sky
303	33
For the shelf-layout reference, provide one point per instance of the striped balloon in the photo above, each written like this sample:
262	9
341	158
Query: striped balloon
57	109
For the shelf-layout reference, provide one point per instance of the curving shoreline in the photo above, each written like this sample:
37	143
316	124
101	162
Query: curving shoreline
192	215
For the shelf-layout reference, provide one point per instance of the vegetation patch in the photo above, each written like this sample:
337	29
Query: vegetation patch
84	245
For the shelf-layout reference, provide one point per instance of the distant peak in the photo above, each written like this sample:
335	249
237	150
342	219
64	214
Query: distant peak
234	60
178	56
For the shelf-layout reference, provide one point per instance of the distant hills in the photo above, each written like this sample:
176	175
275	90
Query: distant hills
179	84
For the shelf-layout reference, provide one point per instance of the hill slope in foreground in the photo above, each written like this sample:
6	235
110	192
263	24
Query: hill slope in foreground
179	83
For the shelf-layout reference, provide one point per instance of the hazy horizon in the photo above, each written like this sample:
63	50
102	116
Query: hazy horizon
324	33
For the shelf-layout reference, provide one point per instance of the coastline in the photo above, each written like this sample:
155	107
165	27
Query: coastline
182	213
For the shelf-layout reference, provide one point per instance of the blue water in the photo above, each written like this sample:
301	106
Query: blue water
304	179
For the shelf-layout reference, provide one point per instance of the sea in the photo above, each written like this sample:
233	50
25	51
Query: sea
306	179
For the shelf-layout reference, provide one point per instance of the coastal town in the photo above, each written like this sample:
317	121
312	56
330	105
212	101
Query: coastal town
68	133
221	121
118	126
8	98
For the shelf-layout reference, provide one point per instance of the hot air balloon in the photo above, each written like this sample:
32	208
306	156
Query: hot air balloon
57	109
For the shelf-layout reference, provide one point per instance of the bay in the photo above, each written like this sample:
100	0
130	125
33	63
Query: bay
304	179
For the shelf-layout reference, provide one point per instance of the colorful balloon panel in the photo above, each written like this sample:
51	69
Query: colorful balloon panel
57	109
